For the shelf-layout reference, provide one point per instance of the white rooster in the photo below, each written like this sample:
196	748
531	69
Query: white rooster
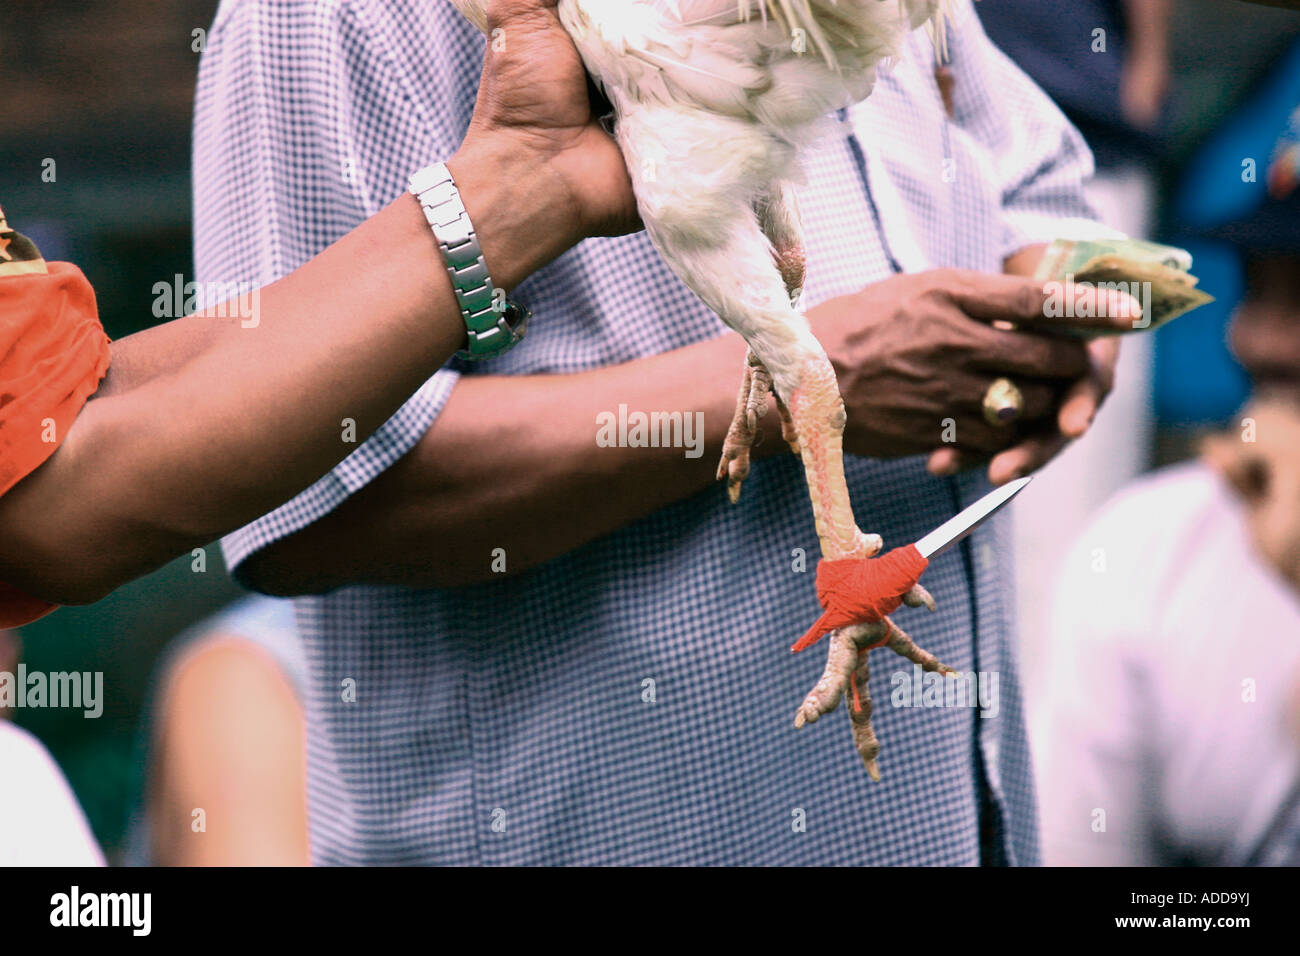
759	76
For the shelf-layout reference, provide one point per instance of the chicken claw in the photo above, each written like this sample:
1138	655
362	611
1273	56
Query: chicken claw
920	597
751	405
847	673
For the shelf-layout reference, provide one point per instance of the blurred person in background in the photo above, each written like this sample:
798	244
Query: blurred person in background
41	823
223	742
1106	63
1170	731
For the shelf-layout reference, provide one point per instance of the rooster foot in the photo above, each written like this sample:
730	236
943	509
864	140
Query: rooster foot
848	671
751	405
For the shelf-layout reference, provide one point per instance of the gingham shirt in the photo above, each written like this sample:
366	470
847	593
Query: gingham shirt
511	721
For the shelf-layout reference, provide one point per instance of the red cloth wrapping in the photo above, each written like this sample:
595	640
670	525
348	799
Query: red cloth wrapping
53	354
863	590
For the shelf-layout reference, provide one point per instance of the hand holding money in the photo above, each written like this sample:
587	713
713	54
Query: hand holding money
1156	276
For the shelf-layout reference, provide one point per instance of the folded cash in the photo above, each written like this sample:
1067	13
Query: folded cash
1155	275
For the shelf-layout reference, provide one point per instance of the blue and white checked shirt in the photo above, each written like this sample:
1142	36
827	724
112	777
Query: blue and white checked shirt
505	722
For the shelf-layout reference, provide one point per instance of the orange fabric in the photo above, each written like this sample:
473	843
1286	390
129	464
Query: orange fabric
863	590
53	354
17	608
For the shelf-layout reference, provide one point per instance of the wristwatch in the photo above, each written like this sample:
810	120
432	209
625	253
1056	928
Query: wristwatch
494	323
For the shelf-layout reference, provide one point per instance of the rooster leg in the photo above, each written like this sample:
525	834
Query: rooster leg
719	235
864	735
751	405
787	426
804	379
818	415
818	421
778	217
812	412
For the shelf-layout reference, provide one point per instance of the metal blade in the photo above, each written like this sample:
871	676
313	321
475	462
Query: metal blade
954	529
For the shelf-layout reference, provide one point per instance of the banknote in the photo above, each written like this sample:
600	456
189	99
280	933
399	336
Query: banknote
1070	255
1157	276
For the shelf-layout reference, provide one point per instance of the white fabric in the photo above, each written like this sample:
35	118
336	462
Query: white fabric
41	823
1165	622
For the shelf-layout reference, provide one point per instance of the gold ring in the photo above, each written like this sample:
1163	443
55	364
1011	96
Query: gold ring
1003	402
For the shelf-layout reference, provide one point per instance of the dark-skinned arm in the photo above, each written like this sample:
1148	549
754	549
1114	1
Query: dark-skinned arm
513	463
203	424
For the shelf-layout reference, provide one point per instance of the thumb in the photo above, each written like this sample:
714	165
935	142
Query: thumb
501	12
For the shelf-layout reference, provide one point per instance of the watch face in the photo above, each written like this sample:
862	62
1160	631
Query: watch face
517	318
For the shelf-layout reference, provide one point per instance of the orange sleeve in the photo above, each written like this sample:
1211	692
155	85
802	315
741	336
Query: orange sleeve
53	354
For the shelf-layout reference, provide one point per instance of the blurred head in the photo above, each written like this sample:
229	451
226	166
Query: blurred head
1265	331
1261	457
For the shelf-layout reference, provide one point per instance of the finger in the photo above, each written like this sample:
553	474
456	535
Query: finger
1000	352
1081	403
1054	304
972	438
1039	402
993	297
1082	305
1028	456
504	9
945	462
961	397
500	14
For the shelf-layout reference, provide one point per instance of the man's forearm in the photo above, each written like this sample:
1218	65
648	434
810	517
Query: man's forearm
513	463
209	421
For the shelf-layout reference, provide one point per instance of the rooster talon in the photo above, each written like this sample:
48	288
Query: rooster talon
920	597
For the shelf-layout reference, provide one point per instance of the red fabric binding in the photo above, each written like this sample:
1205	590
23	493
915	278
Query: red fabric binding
863	590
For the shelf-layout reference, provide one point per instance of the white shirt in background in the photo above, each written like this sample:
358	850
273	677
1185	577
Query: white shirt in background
1166	729
41	823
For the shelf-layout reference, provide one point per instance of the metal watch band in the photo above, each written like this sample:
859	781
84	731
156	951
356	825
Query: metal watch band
494	324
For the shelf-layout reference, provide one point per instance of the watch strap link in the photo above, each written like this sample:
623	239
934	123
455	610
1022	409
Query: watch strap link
493	323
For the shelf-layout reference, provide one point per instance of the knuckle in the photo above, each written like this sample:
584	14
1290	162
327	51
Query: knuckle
931	300
945	278
947	283
1028	301
1069	359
